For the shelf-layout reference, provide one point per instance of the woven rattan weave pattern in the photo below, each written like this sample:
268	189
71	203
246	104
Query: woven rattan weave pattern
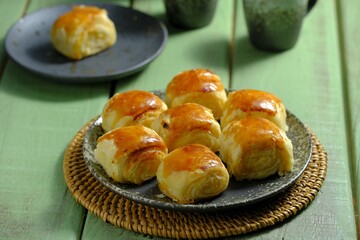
156	222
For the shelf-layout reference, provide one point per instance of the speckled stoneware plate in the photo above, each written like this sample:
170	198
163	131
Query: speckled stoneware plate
140	39
238	194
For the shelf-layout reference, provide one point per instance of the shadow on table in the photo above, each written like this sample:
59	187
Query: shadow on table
246	54
21	82
241	53
172	30
211	53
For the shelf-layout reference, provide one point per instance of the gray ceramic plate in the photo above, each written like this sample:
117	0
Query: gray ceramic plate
141	38
238	194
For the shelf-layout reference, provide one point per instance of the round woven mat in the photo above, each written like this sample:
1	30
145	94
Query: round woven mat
132	216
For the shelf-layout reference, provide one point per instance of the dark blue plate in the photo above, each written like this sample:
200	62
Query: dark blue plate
140	39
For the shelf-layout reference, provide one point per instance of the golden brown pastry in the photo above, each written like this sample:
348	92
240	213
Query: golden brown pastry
131	108
130	154
255	148
83	31
191	173
256	103
188	123
199	86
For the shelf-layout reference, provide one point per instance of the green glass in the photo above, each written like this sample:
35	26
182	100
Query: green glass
274	25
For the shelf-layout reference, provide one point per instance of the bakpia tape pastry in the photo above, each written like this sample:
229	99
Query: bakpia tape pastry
83	31
255	148
131	108
199	86
130	154
250	102
191	173
186	124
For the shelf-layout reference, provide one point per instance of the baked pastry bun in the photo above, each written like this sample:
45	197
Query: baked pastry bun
199	86
188	123
191	173
255	148
256	103
130	154
83	31
131	108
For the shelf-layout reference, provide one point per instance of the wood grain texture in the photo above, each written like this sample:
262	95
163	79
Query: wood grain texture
206	47
308	79
34	135
203	48
349	31
38	119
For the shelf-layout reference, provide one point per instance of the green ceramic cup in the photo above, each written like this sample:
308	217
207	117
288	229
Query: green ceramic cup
274	25
190	14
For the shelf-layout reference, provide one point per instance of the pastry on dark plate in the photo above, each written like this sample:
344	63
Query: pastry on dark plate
131	108
130	154
188	123
191	173
255	148
83	31
200	86
255	103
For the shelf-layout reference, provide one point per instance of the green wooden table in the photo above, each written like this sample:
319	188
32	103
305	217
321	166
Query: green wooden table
318	80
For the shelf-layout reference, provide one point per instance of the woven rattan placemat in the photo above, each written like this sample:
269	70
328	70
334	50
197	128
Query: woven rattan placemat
132	216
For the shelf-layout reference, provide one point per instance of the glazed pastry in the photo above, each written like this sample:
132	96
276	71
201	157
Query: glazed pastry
191	173
256	103
131	108
255	148
83	31
130	154
199	86
188	123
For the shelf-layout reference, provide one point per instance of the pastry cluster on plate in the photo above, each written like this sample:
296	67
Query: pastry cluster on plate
194	139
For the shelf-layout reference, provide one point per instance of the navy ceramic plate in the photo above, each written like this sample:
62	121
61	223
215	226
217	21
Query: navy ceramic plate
140	39
238	194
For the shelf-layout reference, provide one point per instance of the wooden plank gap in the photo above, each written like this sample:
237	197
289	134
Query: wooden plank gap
347	111
26	8
232	43
3	62
82	226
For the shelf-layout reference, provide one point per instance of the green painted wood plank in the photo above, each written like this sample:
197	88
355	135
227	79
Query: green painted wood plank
350	30
34	198
38	120
204	48
308	80
34	136
9	12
